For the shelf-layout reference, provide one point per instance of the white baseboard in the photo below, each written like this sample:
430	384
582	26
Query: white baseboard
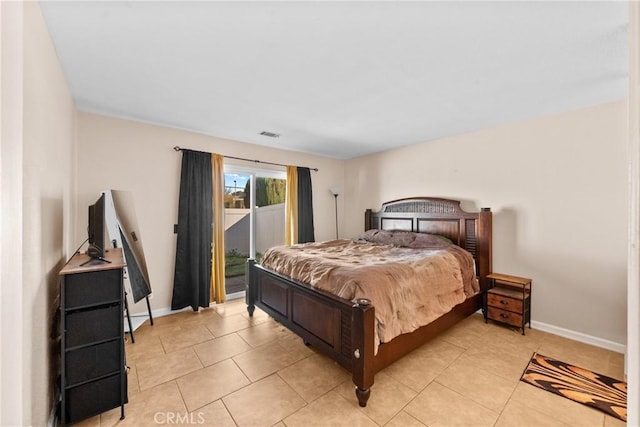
236	295
160	312
139	318
136	321
545	327
167	310
579	336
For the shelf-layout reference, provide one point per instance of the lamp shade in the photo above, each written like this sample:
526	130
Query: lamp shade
335	190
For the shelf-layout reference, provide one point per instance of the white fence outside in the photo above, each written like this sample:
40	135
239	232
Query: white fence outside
269	228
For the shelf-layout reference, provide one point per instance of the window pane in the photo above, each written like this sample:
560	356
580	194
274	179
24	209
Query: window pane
267	215
237	225
270	191
236	194
270	214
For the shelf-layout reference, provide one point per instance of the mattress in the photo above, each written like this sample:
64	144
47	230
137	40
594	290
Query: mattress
411	279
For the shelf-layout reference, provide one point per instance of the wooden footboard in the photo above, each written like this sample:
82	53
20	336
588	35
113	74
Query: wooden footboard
339	328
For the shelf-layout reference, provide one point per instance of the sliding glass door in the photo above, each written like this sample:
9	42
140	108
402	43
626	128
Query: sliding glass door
254	219
238	225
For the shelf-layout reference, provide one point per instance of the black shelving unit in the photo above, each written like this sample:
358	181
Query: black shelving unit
93	372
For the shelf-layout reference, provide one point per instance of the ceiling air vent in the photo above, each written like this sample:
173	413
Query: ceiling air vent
270	134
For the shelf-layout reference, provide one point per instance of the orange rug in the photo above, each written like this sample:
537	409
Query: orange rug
581	385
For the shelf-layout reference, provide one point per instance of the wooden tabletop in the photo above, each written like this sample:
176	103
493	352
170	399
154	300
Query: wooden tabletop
507	278
75	266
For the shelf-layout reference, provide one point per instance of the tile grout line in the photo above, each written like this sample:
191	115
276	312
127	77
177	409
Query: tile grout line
538	345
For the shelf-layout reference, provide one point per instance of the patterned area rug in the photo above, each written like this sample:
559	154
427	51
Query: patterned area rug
598	391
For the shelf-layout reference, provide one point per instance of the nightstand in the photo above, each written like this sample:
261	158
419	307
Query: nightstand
508	300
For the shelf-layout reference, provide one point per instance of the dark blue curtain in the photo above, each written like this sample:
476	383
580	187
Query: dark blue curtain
192	278
305	207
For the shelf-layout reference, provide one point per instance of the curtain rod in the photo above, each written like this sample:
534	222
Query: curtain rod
176	148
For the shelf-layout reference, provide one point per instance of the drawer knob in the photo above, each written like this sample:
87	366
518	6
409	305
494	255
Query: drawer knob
504	316
503	302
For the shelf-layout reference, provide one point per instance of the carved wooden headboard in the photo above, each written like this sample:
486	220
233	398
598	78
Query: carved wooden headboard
469	230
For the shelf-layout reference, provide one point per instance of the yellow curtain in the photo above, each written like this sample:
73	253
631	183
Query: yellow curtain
291	207
218	294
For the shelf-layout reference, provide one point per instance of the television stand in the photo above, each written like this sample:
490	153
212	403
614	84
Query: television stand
93	372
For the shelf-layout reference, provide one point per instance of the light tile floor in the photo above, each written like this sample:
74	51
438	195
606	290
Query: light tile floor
219	367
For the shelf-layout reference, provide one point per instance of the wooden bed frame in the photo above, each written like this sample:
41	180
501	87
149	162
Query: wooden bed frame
343	329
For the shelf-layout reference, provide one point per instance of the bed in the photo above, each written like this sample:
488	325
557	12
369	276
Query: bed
345	329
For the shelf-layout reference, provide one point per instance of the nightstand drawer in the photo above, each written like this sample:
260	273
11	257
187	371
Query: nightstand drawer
504	316
504	303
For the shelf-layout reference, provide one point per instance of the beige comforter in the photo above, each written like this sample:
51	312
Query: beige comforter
409	287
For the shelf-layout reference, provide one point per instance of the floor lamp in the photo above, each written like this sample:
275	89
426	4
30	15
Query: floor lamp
335	191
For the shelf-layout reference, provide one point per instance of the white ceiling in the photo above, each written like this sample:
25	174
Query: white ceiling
339	79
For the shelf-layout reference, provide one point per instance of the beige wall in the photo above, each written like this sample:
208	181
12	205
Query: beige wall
556	185
44	172
558	188
11	302
633	319
126	155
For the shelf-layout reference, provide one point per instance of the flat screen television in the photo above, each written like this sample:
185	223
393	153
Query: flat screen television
96	229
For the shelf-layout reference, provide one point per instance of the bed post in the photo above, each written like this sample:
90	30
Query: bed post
367	219
485	256
362	328
249	295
